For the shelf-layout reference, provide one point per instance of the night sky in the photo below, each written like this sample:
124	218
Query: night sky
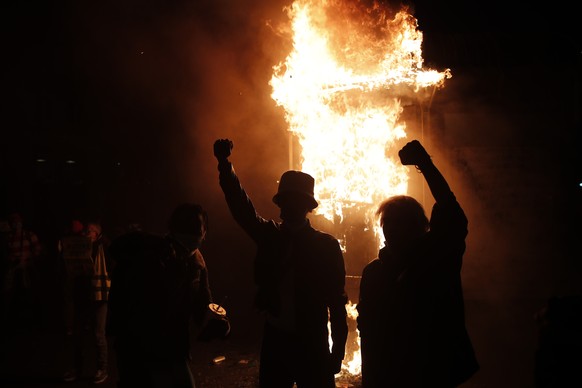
135	92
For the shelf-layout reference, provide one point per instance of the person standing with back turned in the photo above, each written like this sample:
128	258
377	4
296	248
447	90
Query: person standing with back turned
411	314
300	277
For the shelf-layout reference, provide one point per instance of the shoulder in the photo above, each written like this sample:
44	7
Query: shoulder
323	238
372	266
198	259
319	234
374	273
447	211
324	244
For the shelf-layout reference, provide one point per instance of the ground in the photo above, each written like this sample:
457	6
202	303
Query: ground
31	354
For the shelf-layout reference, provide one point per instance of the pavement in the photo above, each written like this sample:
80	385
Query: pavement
31	353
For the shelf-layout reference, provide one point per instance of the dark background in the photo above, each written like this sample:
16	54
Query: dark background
136	92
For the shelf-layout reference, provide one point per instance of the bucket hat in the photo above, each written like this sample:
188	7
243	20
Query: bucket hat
298	184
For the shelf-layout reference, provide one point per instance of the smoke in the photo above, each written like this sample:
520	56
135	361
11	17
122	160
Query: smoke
179	76
152	84
140	90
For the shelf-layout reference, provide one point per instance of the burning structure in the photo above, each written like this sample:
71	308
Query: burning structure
352	69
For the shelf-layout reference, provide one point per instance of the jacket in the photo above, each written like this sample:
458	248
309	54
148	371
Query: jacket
156	292
316	261
411	312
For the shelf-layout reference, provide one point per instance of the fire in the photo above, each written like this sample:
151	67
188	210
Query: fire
342	87
352	363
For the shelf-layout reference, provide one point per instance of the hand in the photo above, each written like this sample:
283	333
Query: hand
222	149
215	329
413	153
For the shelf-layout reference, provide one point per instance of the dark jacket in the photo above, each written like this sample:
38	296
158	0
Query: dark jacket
411	311
317	260
156	290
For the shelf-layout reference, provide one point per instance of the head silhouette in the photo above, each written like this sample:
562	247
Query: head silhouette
76	227
403	221
93	231
295	196
189	224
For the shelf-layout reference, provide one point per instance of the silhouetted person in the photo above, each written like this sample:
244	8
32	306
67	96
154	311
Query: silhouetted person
101	284
85	293
22	249
300	276
558	356
159	287
411	314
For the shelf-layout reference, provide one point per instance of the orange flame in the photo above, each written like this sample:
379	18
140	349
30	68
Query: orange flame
341	87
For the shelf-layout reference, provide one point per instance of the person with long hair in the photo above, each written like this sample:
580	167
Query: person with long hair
411	315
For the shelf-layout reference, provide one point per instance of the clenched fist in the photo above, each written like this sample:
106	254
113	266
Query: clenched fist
413	153
222	149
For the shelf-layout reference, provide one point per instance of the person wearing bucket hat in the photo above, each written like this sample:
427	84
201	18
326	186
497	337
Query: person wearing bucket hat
300	277
299	185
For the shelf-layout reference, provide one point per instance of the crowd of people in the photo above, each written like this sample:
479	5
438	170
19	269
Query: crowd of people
161	285
147	290
79	280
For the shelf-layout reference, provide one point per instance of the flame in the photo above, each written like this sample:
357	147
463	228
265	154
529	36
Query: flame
342	87
352	362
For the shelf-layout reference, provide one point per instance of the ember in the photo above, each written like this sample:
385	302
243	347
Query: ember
342	87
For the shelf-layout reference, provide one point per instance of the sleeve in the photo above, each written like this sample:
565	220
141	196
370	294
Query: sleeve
239	203
448	230
448	221
448	215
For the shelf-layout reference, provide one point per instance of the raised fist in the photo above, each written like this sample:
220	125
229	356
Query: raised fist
413	153
222	148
